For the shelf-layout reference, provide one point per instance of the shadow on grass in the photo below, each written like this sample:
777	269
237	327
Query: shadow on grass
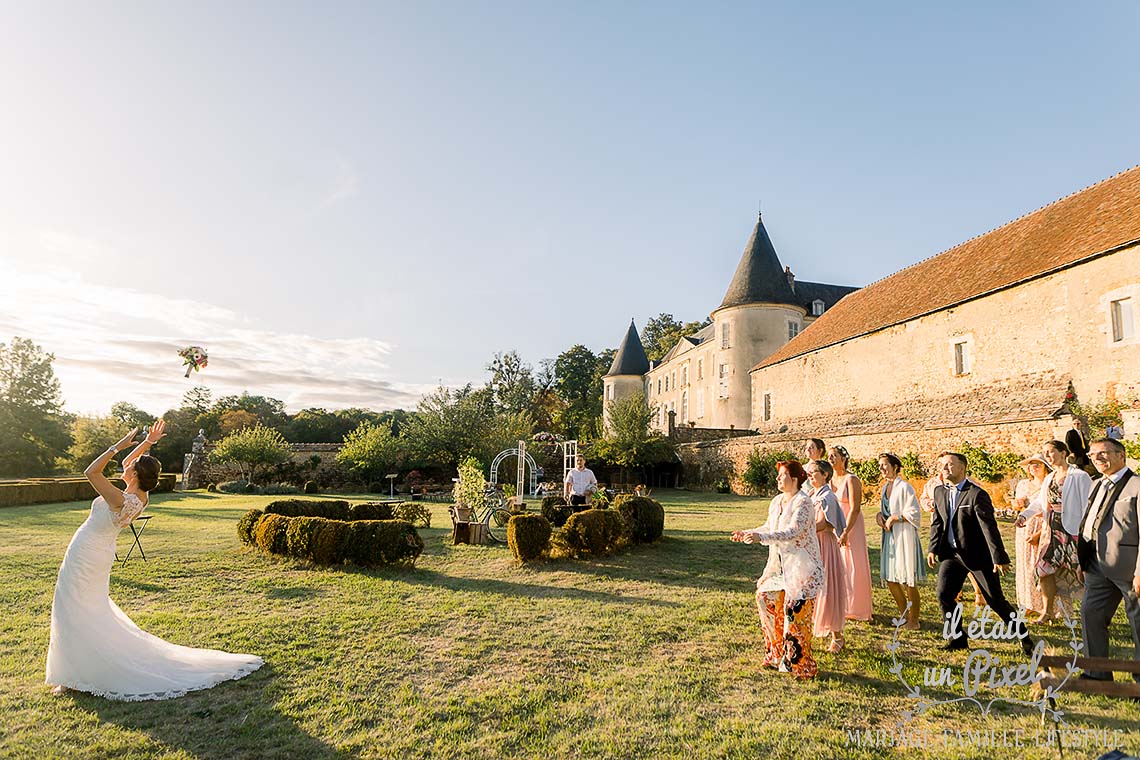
507	588
233	719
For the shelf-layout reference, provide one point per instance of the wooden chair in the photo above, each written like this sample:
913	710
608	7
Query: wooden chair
1089	686
460	524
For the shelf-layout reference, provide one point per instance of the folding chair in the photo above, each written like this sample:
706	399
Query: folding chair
141	521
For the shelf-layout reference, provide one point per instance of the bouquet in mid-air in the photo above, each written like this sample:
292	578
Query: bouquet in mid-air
194	357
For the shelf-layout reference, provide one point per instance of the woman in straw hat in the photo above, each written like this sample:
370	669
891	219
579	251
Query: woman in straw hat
1027	497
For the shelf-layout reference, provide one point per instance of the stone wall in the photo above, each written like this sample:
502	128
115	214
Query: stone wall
706	462
200	472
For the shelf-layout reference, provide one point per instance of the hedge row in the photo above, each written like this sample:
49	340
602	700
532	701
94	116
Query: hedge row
331	509
635	520
331	542
51	490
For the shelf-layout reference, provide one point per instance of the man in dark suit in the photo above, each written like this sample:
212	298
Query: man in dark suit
1108	552
1075	440
964	539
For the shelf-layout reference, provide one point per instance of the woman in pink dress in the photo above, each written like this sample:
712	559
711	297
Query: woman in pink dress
831	604
853	539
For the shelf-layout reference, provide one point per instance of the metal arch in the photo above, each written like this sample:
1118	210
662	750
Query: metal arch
494	479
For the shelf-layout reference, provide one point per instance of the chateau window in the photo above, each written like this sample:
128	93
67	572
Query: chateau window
674	380
725	334
767	407
685	407
700	404
666	383
658	386
684	376
793	328
963	361
1122	325
817	307
723	382
700	369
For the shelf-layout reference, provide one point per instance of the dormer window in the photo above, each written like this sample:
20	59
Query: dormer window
817	307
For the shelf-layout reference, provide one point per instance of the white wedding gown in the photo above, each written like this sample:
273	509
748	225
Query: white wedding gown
97	649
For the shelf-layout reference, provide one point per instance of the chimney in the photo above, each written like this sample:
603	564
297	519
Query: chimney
791	278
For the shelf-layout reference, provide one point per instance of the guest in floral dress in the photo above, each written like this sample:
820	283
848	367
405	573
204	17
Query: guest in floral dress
793	577
1026	496
901	563
1064	496
853	539
831	604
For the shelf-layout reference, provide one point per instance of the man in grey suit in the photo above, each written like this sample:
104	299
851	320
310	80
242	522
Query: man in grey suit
1108	551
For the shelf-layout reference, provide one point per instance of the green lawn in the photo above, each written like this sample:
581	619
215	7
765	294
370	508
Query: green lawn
652	653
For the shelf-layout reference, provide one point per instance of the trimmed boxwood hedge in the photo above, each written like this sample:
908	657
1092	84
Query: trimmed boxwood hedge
594	532
556	510
528	536
330	542
644	518
330	509
50	490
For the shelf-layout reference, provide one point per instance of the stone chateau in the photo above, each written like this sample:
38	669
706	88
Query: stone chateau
703	381
983	342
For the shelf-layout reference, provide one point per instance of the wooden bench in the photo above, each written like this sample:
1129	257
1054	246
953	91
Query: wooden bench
460	524
1088	685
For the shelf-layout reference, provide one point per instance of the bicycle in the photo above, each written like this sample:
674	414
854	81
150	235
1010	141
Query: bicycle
495	516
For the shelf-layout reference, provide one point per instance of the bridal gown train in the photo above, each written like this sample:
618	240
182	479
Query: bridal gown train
97	649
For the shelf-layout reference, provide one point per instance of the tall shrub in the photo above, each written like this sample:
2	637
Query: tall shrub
251	448
760	470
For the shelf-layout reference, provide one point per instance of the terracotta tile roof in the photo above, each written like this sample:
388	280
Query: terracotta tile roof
1089	222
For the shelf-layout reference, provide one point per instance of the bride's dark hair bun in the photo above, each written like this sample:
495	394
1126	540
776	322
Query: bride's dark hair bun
147	470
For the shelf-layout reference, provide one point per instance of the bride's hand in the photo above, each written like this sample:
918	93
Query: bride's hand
157	431
127	440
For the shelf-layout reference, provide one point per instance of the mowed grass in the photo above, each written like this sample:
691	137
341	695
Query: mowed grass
651	653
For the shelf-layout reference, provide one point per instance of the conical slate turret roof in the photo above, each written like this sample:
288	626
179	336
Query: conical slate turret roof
759	277
630	358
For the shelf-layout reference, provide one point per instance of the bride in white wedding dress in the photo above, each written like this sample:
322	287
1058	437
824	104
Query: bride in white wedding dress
94	646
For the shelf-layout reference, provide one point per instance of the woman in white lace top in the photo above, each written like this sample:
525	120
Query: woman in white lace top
792	579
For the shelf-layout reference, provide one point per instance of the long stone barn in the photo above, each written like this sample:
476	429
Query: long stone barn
984	343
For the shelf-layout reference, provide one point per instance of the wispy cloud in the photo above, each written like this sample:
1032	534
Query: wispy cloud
106	353
345	184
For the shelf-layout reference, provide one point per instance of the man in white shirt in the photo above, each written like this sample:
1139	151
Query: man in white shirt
580	483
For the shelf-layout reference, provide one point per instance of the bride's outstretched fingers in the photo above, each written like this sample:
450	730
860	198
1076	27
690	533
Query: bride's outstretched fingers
156	432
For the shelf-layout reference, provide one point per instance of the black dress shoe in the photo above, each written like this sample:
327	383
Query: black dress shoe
956	645
1027	645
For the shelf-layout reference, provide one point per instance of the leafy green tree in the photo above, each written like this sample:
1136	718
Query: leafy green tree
512	383
131	415
90	437
34	429
316	426
199	398
252	448
370	451
630	442
662	332
270	412
577	381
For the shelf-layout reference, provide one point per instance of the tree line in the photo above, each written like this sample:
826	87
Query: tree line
561	398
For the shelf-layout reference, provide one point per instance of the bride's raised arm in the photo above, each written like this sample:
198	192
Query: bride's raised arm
156	431
94	472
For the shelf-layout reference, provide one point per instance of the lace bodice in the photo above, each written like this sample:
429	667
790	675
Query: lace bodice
132	508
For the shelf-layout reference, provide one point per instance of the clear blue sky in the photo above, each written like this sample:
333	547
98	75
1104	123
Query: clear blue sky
353	201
